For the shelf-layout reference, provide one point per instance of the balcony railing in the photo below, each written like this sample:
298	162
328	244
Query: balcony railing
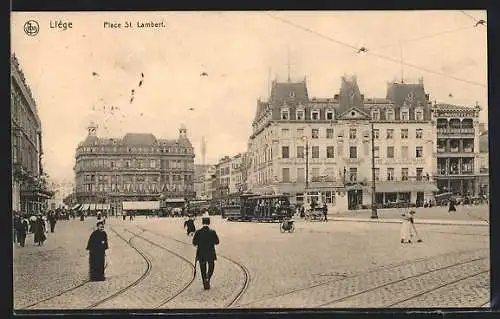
455	131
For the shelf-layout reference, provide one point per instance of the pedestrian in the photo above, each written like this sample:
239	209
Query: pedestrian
124	215
21	227
205	240
413	229
39	231
82	216
325	212
405	229
97	246
189	225
452	208
52	220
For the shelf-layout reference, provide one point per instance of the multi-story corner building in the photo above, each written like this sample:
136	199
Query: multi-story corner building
29	186
484	167
458	148
323	145
137	167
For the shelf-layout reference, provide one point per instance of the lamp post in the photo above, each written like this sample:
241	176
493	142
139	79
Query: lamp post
374	198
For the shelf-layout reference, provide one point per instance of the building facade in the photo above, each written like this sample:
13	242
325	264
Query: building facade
324	146
229	175
30	190
200	171
458	149
137	167
484	167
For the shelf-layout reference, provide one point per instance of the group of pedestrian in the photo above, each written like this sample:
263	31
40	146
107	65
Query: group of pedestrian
37	224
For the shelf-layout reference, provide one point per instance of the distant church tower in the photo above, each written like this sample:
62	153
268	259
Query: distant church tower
203	150
92	129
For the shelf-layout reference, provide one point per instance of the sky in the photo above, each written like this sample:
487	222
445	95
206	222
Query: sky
240	52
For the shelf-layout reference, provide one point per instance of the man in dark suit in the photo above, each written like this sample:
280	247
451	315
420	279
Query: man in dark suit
205	239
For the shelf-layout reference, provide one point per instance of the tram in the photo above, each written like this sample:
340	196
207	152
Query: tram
259	208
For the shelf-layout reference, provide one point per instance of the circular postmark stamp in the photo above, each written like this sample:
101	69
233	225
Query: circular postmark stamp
31	28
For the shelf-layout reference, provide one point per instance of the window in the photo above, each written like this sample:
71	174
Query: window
284	114
419	152
329	115
353	174
301	174
376	152
376	133
352	133
300	151
330	152
285	175
377	174
376	115
329	133
390	115
390	151
419	174
390	133
300	115
315	115
315	172
292	94
419	133
300	132
285	152
315	133
419	115
153	163
390	174
284	132
404	152
405	115
315	152
404	133
353	152
404	174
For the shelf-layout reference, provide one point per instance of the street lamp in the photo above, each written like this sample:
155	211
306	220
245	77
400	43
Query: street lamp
374	198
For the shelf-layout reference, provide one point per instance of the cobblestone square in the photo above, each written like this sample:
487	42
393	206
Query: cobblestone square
336	264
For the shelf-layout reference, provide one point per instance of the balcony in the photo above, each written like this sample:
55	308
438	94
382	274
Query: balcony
455	131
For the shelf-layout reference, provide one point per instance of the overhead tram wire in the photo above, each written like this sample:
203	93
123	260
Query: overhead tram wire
377	55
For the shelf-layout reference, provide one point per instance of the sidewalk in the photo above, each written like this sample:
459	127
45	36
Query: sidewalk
417	221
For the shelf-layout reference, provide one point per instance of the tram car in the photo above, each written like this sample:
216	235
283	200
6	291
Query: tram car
237	207
271	208
196	207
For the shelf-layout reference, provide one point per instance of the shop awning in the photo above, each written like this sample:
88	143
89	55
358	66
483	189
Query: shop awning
173	200
386	187
144	205
75	207
85	207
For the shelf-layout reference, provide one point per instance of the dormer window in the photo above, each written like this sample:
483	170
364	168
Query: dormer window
329	114
389	114
300	115
419	114
376	114
404	114
285	114
315	115
292	94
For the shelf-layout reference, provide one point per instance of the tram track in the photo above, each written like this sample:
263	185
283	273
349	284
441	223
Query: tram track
356	275
87	281
407	278
245	271
147	272
186	285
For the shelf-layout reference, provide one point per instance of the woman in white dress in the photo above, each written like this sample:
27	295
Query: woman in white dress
405	229
46	223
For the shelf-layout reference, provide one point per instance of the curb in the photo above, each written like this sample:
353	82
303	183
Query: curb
420	222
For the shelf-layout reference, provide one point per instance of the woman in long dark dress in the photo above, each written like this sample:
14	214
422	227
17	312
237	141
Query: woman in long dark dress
39	231
97	245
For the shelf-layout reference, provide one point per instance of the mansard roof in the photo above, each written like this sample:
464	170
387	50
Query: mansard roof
139	139
413	94
289	91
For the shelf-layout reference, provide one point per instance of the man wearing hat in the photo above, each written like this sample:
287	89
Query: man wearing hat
205	239
97	245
